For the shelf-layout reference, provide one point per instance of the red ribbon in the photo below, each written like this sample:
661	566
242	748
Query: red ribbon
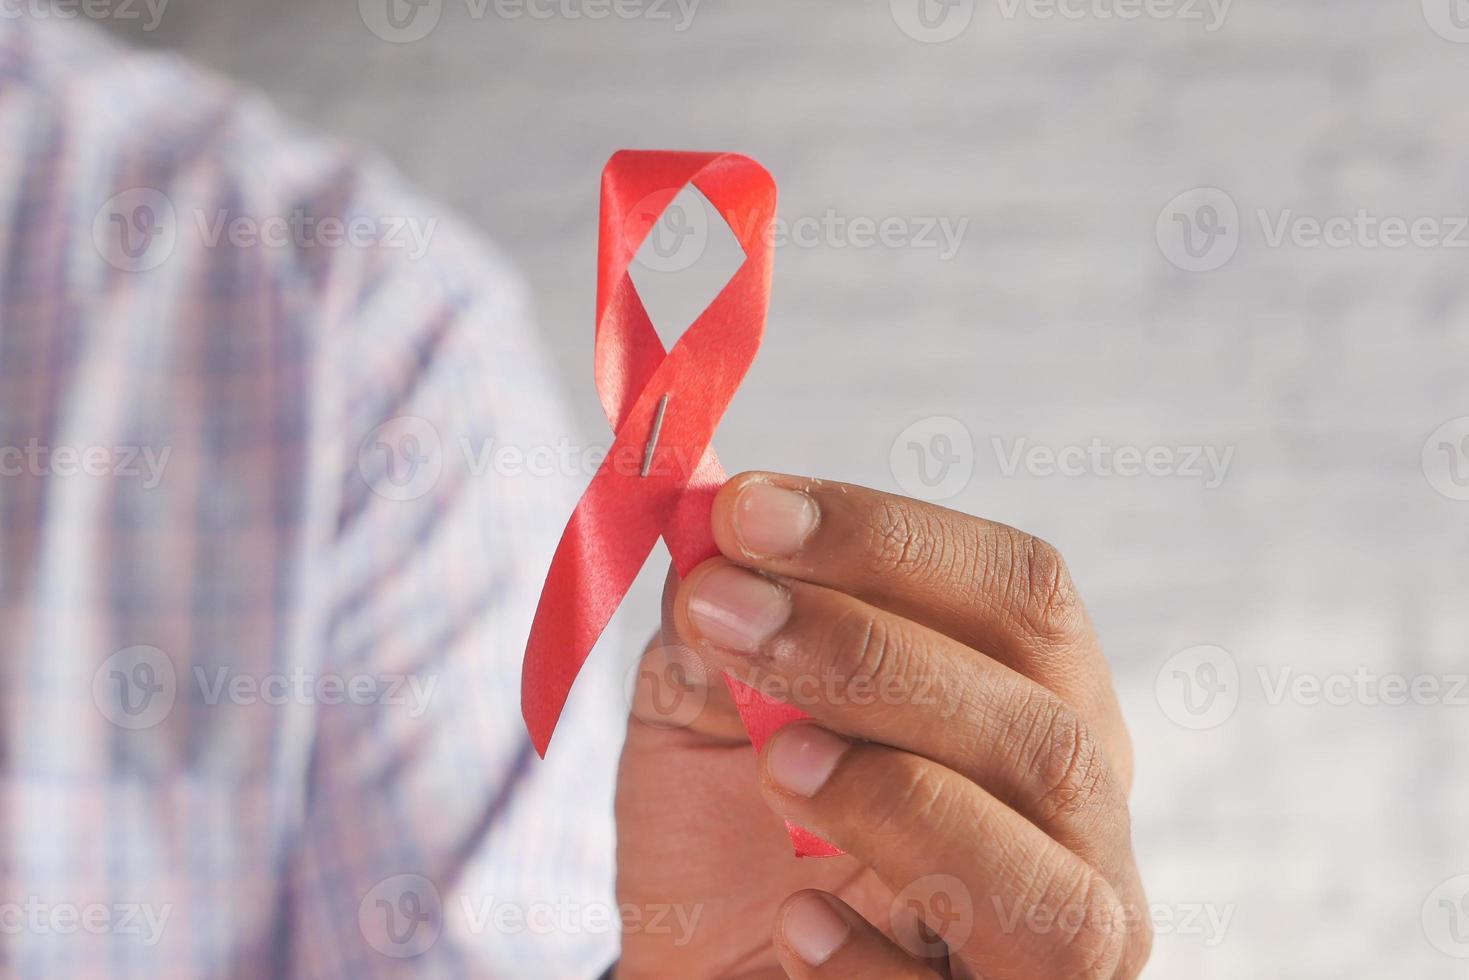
623	513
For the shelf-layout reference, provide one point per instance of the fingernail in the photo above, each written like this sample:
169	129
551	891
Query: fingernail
814	929
738	609
801	758
773	522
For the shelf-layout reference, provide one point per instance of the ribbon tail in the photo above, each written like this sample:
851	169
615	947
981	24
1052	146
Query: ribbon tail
763	717
603	548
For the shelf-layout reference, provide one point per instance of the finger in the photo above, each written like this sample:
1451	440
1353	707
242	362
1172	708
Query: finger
818	936
676	691
1004	897
987	585
875	675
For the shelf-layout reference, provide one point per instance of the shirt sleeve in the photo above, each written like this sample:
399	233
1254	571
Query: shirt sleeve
435	842
362	471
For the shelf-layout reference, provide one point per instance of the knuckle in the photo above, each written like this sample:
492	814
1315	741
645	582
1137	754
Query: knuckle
1099	946
904	541
910	796
858	651
1067	763
1035	583
1091	941
1139	946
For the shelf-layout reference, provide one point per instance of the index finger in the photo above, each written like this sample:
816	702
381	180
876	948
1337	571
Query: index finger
987	585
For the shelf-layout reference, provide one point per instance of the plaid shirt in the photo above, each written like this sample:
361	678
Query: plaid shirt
265	573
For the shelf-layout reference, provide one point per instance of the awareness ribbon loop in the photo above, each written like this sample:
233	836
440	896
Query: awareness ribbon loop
642	490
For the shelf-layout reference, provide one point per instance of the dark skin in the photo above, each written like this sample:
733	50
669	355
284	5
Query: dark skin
965	749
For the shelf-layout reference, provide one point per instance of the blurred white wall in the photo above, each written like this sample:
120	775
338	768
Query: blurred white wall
1332	545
